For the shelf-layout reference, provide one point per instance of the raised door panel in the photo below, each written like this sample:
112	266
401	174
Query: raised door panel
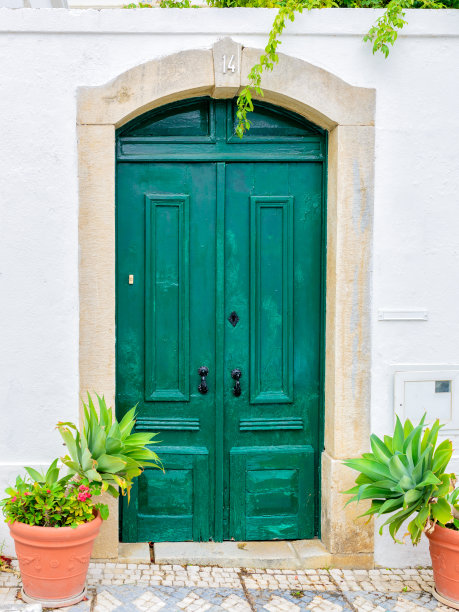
271	299
174	505
272	493
167	315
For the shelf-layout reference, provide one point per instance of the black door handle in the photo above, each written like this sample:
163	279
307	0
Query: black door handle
236	375
203	371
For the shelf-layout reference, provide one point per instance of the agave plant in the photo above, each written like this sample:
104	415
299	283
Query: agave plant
106	452
405	475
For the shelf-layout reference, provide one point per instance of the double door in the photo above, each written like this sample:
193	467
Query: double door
218	344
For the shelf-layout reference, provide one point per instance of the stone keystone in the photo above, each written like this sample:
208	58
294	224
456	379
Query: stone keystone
227	68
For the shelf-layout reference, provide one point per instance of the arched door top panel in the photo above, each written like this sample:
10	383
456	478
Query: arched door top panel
203	127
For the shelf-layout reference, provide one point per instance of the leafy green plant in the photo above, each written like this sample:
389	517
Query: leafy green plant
106	452
49	501
103	455
404	476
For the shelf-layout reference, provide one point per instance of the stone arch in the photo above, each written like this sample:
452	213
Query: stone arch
347	112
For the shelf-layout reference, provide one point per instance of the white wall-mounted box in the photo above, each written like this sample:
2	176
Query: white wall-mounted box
434	392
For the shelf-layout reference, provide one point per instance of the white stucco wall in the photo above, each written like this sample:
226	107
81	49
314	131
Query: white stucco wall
47	54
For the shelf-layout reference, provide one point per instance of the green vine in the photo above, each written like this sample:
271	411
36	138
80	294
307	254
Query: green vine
382	34
385	30
270	57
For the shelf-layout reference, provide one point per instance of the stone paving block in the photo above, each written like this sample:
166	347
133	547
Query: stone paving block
8	595
148	602
234	603
194	603
319	604
279	604
363	605
106	602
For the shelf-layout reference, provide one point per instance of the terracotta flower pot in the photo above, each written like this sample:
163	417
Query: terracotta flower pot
54	561
444	551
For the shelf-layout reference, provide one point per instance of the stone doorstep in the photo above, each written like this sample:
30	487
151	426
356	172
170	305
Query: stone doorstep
295	554
277	554
136	552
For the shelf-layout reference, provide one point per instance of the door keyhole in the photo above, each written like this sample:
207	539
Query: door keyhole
233	318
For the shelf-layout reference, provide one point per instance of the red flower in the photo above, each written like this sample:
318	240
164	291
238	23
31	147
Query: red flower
13	499
27	493
48	491
83	488
81	497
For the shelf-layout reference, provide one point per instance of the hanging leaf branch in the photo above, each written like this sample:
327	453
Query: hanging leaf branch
385	30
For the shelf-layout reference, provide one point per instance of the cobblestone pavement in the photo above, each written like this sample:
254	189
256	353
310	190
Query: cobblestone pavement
117	587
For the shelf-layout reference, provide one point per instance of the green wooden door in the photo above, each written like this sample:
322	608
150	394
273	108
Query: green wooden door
219	251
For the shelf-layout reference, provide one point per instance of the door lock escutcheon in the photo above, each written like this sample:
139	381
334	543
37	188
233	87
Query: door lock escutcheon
233	318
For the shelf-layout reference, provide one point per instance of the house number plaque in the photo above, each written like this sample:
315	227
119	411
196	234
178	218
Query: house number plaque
227	68
228	64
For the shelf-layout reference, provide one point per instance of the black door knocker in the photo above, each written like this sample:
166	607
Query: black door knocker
203	371
236	375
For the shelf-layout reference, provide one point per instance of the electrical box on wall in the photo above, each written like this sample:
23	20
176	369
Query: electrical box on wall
434	392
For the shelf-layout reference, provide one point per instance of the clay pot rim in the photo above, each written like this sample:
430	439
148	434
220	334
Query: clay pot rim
56	533
444	533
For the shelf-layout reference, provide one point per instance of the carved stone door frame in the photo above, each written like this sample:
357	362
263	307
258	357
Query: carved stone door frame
348	114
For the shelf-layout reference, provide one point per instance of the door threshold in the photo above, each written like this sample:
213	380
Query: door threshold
274	554
279	554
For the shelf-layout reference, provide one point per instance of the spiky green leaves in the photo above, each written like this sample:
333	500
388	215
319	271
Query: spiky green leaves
105	451
49	478
404	475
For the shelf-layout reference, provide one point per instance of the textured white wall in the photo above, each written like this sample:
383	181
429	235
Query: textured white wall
47	54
